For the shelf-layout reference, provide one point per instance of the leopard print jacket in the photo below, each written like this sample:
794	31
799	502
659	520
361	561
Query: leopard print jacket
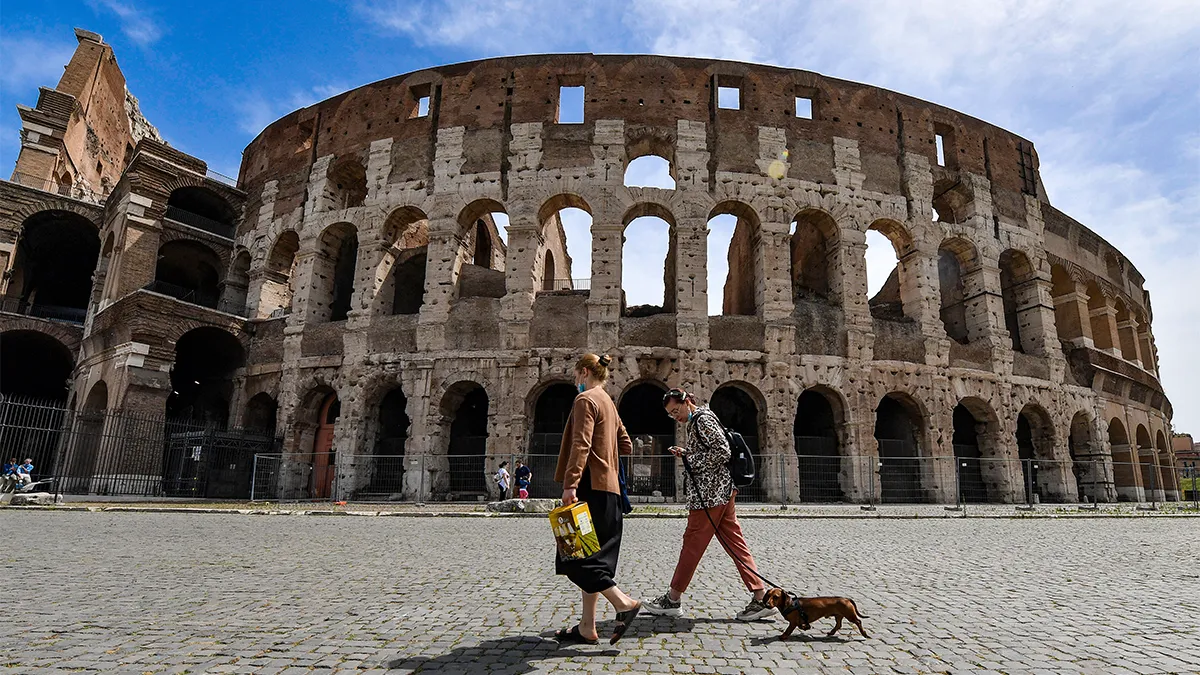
707	454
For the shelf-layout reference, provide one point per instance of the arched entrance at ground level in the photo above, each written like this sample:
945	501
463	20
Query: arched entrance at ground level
1086	465
1147	461
87	440
391	433
324	455
898	431
34	364
1168	476
261	412
550	413
819	463
52	269
1124	474
738	411
651	468
202	377
465	415
982	478
1043	476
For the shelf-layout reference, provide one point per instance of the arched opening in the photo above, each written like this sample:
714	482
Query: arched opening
465	415
1085	466
100	282
650	170
1044	478
898	431
1124	468
1069	319
1146	343
1019	294
980	479
1167	475
202	208
651	468
1103	329
51	275
550	413
883	277
648	246
88	441
819	462
1126	332
188	271
482	254
333	274
324	454
566	221
813	243
34	365
347	184
1148	463
952	202
399	279
237	283
734	257
958	262
279	281
202	376
549	274
261	414
387	475
738	411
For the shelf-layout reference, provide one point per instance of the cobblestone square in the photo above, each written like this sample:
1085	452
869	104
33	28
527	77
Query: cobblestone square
191	593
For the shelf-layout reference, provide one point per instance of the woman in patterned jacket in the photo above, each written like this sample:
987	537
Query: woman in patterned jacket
707	454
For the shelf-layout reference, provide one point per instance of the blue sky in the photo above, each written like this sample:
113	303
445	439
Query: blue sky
1108	90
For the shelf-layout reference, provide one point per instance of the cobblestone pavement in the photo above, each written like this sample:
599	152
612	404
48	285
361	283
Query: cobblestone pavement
213	593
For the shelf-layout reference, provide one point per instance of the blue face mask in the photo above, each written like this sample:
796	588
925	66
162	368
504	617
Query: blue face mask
580	387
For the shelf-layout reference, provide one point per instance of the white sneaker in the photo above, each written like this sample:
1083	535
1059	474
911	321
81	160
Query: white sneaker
663	605
755	610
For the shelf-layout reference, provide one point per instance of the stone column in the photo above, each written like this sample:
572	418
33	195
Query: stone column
604	299
1127	333
1104	328
441	276
690	237
258	272
516	309
1072	316
851	292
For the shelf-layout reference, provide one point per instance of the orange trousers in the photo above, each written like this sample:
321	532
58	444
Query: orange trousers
697	536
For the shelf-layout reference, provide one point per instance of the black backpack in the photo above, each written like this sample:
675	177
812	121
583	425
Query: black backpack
741	460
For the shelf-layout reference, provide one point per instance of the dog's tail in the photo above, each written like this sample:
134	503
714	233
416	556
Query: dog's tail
855	606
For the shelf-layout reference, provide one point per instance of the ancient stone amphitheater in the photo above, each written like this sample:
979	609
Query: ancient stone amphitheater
357	292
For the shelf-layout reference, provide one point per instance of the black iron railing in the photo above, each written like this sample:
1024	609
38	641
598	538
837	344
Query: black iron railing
194	296
200	222
53	312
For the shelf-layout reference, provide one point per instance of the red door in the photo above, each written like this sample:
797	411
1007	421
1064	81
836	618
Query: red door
324	460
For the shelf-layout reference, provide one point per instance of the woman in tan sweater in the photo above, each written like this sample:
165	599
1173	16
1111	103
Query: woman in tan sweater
588	467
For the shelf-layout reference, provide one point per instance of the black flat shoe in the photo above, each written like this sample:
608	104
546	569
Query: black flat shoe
624	621
572	635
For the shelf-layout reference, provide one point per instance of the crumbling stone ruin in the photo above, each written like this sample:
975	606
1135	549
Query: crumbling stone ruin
353	292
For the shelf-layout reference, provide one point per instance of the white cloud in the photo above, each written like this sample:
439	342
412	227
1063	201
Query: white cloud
31	62
136	24
255	110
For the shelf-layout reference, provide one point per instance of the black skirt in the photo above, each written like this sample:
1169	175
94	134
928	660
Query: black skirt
595	573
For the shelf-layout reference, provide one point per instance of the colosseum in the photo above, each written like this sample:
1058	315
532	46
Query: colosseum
383	304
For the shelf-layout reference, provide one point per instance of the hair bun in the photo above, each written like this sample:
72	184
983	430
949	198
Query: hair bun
605	360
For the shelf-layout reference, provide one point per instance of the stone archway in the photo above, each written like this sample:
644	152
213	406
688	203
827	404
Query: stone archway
817	447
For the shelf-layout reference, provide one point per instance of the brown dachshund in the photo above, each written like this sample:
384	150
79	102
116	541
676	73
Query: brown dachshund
803	611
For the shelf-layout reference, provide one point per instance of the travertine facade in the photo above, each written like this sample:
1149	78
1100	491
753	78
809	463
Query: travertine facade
1002	307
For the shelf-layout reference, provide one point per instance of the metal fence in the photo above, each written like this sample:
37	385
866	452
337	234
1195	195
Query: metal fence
657	477
53	312
111	453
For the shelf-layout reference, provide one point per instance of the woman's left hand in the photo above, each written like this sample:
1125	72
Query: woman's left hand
568	496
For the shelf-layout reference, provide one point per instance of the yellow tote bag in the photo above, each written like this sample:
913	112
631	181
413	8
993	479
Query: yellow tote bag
574	533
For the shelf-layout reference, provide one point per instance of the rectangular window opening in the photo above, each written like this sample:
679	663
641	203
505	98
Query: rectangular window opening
804	107
940	141
729	98
570	105
421	97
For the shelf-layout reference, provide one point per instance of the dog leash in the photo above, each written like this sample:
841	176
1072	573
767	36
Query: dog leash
717	531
